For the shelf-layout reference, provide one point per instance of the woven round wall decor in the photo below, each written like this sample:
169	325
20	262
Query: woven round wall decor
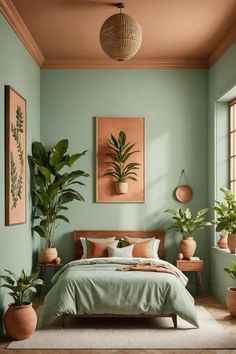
183	192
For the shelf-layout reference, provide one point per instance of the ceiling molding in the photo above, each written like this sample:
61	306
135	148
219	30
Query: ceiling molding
133	63
12	16
225	42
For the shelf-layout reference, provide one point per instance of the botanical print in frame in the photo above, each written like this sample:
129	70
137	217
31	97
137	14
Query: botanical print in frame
15	157
106	182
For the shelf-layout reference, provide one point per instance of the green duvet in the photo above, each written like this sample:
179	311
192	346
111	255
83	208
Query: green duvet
94	286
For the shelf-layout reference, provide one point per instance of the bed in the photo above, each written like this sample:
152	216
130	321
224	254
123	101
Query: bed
105	286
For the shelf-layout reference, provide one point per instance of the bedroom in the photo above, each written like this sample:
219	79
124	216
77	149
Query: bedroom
178	105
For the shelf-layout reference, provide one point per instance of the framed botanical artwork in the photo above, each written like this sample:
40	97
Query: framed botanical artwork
120	159
15	157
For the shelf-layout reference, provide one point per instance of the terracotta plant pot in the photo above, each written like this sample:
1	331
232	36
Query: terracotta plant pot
48	255
20	321
187	246
223	241
122	187
231	301
232	243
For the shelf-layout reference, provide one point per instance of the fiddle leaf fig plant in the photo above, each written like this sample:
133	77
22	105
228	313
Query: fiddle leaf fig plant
226	212
54	186
187	223
120	152
20	286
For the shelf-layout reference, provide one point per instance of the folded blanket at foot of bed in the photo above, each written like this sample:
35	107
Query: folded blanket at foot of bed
149	267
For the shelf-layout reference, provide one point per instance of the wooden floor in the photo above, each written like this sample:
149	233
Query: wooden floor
218	311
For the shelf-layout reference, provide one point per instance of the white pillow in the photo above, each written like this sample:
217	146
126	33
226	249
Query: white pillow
84	244
123	252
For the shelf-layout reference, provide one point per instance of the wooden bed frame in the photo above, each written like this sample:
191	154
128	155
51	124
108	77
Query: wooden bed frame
119	234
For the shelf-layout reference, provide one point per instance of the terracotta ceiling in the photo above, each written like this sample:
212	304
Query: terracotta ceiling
65	33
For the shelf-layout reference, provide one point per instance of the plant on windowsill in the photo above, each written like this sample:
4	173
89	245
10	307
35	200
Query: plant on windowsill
231	291
187	223
226	217
20	319
54	183
119	168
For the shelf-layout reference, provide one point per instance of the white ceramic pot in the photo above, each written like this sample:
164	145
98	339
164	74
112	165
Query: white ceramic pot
121	187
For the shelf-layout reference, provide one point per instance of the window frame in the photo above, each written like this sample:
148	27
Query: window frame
232	146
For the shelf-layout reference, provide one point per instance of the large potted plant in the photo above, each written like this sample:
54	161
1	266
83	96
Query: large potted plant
226	217
119	168
231	291
187	223
54	188
20	319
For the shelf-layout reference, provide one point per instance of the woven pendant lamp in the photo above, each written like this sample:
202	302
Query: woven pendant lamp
120	36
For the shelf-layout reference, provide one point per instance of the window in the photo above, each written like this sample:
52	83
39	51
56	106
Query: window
232	147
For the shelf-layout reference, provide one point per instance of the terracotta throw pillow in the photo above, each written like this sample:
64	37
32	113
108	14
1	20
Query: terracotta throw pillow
98	249
141	249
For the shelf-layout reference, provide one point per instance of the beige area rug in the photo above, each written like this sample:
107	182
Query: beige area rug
132	333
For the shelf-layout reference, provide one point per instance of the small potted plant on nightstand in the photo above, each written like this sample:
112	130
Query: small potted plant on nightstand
226	217
187	223
119	169
231	291
20	319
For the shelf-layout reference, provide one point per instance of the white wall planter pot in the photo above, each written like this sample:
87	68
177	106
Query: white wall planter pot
122	187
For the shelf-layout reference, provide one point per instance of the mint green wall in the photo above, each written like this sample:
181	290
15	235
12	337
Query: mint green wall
17	69
174	104
222	88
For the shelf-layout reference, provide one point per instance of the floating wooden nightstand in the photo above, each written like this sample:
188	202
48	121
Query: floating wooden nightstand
192	266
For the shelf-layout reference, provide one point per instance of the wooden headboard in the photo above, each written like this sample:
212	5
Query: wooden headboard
77	234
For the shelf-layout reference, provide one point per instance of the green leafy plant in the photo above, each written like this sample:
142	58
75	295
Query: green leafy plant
186	222
52	187
231	270
20	286
226	212
120	152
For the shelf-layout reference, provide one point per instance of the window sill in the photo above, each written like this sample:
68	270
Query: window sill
224	252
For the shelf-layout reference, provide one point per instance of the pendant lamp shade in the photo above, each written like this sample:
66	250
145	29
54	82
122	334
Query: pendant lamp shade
120	36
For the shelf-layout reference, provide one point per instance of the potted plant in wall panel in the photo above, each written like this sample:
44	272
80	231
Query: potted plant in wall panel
187	223
54	188
231	292
120	169
20	319
226	217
